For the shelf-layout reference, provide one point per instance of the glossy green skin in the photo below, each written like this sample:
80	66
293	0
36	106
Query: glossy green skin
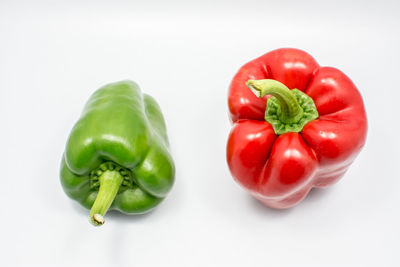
122	125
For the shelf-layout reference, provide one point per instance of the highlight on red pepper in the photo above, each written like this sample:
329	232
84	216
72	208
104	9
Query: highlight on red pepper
296	126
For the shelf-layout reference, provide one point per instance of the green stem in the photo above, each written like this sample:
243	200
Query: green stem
291	111
110	181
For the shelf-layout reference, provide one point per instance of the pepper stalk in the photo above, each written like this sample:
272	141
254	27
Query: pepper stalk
110	182
287	110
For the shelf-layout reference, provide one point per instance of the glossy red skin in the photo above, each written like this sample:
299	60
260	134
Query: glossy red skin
281	170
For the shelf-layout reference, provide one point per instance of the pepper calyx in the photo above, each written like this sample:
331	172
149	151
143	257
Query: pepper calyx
110	166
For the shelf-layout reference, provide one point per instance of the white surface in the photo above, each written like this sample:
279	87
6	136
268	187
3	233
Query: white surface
53	56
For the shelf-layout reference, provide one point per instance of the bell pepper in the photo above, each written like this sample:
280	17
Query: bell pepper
117	155
296	125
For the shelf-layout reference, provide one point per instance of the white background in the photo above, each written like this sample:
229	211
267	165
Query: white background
54	55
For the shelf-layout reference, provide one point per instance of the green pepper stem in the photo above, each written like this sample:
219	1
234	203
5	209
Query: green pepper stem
110	181
291	111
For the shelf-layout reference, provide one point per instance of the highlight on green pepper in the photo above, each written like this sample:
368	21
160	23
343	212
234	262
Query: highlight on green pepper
117	155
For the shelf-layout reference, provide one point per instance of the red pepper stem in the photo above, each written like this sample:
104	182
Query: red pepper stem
291	112
110	181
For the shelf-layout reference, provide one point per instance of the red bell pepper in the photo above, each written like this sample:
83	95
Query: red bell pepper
306	135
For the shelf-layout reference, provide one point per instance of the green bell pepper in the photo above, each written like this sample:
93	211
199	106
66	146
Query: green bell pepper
117	155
